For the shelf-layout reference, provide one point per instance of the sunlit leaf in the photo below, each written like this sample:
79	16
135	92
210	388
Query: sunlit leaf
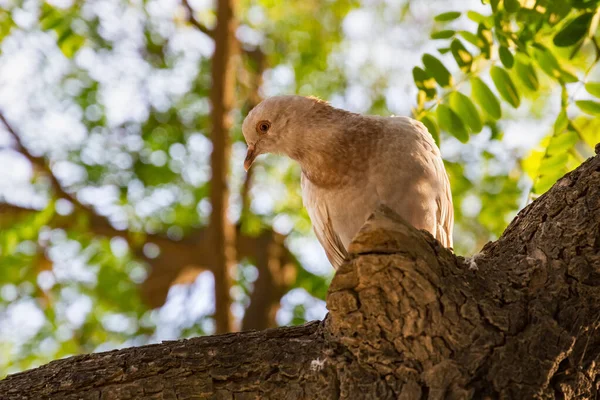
471	38
447	16
424	82
437	70
512	6
589	106
505	86
445	34
484	96
567	76
583	4
464	107
547	61
593	88
485	34
562	142
575	31
526	74
463	58
506	57
562	122
450	122
545	182
476	17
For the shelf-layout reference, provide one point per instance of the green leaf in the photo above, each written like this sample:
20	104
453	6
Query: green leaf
484	96
575	31
424	82
552	163
464	107
463	58
550	170
582	4
447	16
589	106
451	123
471	38
526	74
568	77
445	34
512	5
437	70
505	86
593	88
546	60
506	57
562	142
545	182
476	17
420	76
561	123
486	37
432	127
71	44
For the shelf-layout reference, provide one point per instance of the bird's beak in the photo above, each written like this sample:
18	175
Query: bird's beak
250	156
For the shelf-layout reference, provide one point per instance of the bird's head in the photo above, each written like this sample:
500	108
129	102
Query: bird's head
277	125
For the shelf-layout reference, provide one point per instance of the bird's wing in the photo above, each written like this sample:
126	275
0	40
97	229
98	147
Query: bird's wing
322	225
415	185
445	208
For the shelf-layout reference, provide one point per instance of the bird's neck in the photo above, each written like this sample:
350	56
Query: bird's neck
330	152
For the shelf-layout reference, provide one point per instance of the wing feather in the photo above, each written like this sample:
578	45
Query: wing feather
322	224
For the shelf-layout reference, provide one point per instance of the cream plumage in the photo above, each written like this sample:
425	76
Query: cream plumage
352	163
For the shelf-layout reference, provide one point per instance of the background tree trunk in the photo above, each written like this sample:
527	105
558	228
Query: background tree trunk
408	320
222	98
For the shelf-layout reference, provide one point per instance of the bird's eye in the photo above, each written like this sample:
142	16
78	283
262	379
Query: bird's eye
263	126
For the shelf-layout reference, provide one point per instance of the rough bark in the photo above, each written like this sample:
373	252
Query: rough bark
408	320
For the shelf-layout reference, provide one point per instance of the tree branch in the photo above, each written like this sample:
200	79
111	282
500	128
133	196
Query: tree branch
192	19
408	319
222	97
40	163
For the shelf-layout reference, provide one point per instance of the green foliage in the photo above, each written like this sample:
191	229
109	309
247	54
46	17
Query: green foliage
589	106
462	105
451	122
60	21
447	16
435	68
486	99
557	38
505	86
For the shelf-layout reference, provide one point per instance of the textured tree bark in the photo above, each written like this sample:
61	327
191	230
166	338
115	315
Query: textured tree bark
408	320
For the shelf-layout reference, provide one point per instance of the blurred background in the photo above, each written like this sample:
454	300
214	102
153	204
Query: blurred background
126	217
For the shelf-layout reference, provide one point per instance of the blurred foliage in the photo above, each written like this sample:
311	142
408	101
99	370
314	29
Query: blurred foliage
67	286
525	48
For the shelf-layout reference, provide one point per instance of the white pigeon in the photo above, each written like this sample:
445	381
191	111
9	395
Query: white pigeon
351	164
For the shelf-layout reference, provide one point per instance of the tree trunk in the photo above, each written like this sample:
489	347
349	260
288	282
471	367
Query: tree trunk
408	320
222	97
